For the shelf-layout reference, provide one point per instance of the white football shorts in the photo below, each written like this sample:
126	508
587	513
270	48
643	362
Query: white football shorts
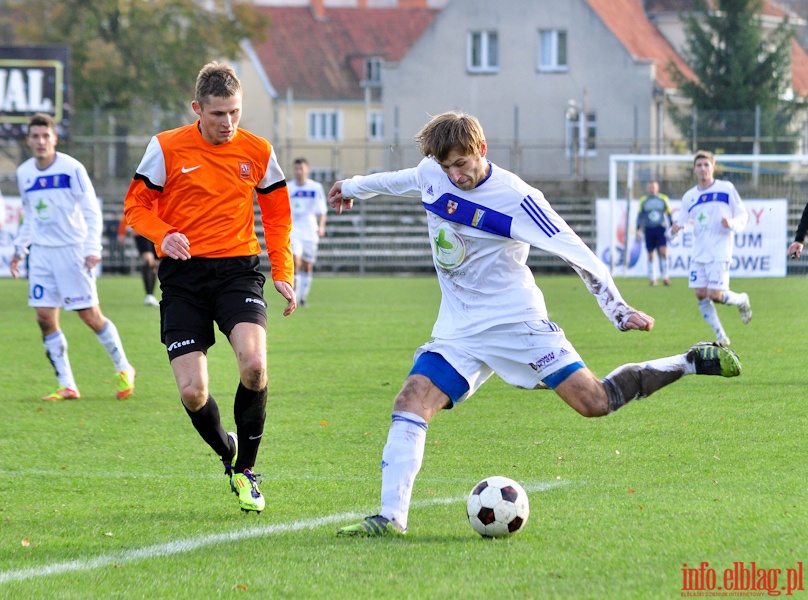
713	275
57	278
522	354
305	249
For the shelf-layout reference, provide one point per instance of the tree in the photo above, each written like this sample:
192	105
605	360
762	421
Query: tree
127	52
738	68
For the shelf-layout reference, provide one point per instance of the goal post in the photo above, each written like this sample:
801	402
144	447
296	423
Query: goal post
772	186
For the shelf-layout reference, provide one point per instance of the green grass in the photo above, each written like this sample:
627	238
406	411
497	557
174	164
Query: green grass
122	499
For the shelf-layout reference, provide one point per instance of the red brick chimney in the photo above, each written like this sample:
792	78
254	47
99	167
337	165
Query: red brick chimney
318	9
412	3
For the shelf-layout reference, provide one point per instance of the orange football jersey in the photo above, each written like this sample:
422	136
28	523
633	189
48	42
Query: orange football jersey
207	191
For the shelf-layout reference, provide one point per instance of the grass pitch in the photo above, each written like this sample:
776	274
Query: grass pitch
122	499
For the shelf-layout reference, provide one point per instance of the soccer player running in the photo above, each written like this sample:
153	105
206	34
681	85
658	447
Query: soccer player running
652	219
717	213
482	221
203	179
308	225
61	229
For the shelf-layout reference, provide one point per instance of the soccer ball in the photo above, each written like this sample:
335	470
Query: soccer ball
497	506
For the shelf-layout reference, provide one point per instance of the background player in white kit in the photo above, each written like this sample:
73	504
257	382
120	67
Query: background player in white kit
308	225
482	221
717	213
62	225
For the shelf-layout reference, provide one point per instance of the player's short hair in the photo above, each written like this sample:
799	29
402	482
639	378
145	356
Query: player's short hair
448	132
301	161
218	80
704	154
41	120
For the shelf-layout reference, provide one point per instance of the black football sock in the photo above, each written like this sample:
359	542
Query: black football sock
149	278
209	425
635	381
249	410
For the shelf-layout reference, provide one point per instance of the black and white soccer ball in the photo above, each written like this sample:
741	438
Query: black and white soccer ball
497	506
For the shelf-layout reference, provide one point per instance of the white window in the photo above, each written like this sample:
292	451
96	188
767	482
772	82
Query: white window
325	125
324	175
552	50
376	125
373	71
483	52
582	133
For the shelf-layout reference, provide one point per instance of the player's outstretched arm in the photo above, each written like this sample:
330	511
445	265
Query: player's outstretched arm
640	321
336	200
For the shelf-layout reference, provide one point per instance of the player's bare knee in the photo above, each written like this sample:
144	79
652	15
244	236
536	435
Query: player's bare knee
253	374
193	397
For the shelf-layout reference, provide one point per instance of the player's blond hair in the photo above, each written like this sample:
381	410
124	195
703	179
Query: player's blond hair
448	132
218	80
704	154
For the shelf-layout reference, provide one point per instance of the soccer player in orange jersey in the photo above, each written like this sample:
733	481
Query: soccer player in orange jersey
193	195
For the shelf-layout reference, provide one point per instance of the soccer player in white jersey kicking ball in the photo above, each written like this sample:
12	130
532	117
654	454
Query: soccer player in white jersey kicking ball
62	226
717	213
492	319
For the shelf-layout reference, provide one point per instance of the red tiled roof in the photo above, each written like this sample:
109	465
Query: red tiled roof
799	70
630	24
771	9
323	59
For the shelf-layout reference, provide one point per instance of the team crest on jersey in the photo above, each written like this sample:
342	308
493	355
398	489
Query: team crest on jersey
451	207
244	170
449	247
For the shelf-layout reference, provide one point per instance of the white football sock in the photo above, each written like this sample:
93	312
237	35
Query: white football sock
663	267
733	298
710	315
305	286
56	349
111	342
401	461
651	269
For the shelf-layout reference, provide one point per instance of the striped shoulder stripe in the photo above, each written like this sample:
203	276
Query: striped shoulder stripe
148	183
535	212
271	188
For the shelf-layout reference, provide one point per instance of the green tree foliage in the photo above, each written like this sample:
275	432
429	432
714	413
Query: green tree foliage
738	66
129	52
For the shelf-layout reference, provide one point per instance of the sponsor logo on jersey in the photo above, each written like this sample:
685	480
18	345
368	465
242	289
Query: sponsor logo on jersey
448	246
189	169
175	345
430	191
255	301
477	219
244	170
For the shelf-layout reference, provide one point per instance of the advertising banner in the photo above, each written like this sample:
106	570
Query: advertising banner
760	249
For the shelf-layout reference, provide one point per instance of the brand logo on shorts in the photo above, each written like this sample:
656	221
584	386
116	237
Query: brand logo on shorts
255	301
543	361
175	345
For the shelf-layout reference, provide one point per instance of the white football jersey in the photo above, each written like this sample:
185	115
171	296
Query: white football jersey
480	241
60	207
705	209
308	203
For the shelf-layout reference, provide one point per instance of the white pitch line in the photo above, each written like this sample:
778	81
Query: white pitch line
182	546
